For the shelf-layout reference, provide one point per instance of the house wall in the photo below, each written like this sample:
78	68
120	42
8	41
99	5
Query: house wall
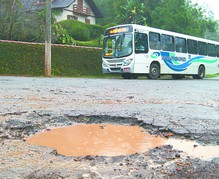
69	11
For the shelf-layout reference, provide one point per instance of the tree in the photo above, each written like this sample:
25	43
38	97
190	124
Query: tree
181	16
10	18
132	11
17	24
108	10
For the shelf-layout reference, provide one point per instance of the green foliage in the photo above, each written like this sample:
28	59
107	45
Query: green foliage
98	42
175	15
108	10
60	35
132	12
95	30
10	18
180	16
77	30
28	60
81	31
73	61
20	59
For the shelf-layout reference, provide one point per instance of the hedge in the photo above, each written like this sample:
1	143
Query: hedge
28	60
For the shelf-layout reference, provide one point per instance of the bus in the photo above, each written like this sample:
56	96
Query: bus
132	50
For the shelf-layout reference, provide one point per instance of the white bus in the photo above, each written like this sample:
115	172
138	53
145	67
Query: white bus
133	49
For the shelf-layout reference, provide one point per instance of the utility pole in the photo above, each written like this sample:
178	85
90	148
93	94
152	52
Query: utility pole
48	40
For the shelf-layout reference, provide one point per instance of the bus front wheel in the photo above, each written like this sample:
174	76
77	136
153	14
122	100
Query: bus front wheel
201	73
154	72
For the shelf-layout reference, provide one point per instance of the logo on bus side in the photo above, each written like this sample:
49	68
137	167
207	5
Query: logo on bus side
177	63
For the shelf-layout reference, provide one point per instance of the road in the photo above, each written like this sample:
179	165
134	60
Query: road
187	108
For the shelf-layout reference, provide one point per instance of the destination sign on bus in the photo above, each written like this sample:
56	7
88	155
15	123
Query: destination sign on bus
118	30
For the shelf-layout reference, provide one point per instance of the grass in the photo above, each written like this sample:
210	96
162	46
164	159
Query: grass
212	76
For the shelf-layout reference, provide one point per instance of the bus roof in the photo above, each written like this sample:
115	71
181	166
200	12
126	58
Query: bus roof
161	31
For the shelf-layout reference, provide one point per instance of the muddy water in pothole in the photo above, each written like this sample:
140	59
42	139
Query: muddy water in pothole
113	140
97	139
194	149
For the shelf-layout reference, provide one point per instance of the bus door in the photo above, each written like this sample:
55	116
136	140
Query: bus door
141	50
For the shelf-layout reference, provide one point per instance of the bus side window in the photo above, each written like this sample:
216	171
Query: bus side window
180	45
211	49
141	43
192	46
217	50
202	48
167	43
154	40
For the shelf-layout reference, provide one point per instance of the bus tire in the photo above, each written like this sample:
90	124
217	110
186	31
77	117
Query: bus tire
201	73
154	72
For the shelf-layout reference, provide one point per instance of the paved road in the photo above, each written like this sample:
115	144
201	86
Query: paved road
181	105
184	107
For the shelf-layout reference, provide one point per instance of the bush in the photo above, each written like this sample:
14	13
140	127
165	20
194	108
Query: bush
77	30
92	43
81	31
95	31
60	36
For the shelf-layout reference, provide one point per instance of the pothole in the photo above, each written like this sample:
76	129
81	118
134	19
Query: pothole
97	139
113	140
99	135
193	149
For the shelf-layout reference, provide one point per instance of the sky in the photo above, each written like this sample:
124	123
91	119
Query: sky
210	4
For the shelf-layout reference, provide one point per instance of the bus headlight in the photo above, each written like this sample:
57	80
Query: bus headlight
127	62
105	64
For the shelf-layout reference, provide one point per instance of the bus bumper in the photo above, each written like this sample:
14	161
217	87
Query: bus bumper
117	70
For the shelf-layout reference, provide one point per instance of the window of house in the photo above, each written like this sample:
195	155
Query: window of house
87	21
70	17
192	46
211	49
202	48
180	45
167	43
154	39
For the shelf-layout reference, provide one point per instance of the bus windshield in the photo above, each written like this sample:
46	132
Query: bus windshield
117	46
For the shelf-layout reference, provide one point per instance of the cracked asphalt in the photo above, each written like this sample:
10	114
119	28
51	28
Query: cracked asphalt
187	108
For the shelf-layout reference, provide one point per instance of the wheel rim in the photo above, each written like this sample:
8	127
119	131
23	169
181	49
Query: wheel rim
154	71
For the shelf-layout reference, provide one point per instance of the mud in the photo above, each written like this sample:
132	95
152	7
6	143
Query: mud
165	108
97	140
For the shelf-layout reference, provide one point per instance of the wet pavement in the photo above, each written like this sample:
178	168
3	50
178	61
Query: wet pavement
175	109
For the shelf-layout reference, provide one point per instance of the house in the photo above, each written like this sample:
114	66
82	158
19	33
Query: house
82	10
